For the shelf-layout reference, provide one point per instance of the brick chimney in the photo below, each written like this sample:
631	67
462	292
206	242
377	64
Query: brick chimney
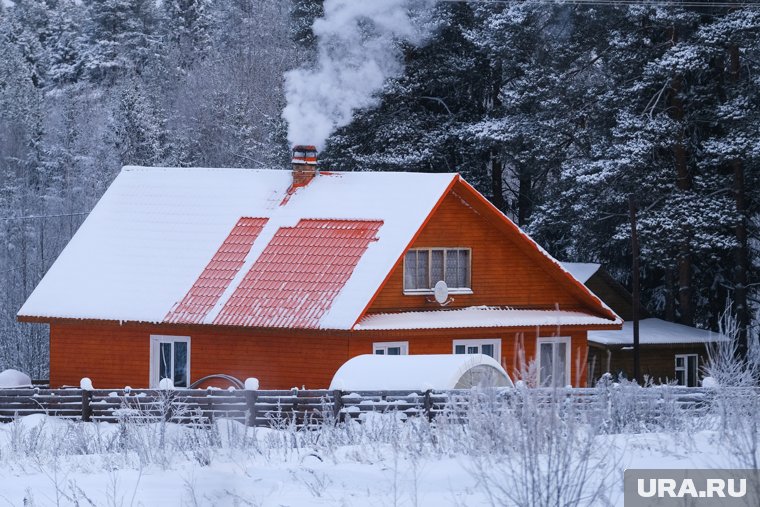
304	165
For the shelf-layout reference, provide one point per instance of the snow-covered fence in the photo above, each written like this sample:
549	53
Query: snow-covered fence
65	403
615	407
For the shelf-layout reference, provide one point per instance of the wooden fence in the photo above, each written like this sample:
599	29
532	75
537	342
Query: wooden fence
304	407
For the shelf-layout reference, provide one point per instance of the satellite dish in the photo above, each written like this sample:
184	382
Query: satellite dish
441	292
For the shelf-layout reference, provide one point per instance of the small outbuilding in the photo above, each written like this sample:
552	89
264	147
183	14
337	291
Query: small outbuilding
669	351
370	372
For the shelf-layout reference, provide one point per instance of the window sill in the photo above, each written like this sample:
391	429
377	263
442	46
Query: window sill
429	292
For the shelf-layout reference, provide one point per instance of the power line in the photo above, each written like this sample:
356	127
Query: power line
32	217
655	3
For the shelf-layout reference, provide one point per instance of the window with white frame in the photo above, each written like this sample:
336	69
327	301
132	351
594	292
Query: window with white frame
687	366
553	361
424	267
489	347
170	358
390	348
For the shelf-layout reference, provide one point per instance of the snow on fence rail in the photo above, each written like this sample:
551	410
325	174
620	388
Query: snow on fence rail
304	407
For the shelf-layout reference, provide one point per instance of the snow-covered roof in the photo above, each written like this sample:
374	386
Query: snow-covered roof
582	271
655	332
418	372
479	316
155	230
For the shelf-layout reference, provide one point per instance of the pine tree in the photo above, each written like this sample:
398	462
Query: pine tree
120	37
138	131
187	26
64	49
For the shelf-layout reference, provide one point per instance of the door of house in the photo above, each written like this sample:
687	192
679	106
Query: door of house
687	367
170	359
553	361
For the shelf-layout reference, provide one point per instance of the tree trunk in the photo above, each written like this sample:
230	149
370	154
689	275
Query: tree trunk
683	184
741	253
497	166
497	181
670	298
635	292
523	198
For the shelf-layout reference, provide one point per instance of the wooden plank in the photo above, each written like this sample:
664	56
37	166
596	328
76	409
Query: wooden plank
10	399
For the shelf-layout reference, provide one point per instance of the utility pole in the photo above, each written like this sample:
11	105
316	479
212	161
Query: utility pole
635	288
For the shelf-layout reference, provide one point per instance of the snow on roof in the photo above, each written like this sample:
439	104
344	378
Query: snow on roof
655	332
414	372
210	286
582	271
155	230
479	316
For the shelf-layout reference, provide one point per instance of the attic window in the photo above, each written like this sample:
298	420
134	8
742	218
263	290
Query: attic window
424	267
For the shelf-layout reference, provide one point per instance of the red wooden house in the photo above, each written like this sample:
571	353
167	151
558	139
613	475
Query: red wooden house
284	276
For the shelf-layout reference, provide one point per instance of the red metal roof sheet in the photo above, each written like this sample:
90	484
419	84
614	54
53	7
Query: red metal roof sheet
218	274
299	273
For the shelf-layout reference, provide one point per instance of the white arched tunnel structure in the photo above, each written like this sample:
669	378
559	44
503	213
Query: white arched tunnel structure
419	372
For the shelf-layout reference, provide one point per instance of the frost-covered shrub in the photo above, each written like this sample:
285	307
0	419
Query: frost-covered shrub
626	406
735	395
537	448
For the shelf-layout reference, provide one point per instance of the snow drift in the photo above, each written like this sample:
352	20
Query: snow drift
14	378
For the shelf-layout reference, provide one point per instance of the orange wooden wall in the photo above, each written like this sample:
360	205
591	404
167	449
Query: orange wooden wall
502	275
114	355
517	347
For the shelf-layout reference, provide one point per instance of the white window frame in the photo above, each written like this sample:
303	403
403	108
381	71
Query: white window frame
479	342
568	357
404	346
155	341
452	290
685	368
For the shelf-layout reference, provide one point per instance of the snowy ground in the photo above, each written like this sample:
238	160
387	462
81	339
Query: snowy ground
45	461
353	476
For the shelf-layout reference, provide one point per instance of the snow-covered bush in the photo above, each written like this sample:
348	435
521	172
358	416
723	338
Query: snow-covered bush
519	446
537	448
724	365
627	406
735	392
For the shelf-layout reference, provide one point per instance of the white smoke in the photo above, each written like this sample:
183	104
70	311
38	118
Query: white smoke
357	50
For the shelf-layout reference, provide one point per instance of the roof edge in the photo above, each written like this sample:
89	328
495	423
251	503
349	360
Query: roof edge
456	177
584	293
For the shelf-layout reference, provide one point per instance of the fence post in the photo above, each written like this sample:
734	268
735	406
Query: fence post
428	406
337	404
251	397
86	407
294	410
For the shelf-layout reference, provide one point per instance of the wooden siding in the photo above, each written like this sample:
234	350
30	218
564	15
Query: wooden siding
517	347
613	294
502	274
657	361
115	355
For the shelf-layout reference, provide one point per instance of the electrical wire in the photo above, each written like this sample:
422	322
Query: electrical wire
32	217
653	3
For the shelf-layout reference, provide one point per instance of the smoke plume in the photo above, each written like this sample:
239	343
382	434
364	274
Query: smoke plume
357	50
